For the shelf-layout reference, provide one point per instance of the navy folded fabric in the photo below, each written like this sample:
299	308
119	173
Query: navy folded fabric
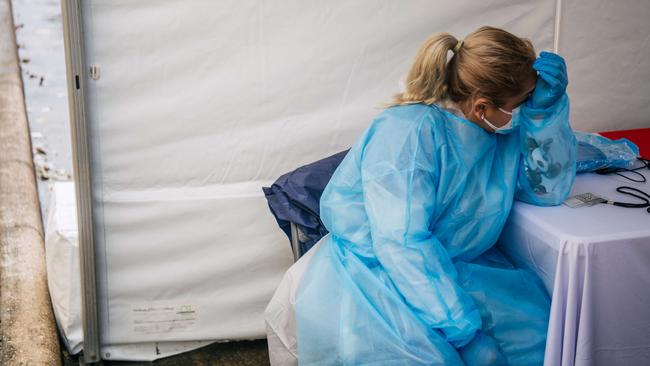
295	197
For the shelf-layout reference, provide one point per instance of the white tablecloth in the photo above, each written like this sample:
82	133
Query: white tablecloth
595	261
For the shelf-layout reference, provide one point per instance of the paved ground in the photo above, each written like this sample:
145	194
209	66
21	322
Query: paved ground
246	353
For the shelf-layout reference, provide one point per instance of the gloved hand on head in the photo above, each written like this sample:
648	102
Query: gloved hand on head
551	82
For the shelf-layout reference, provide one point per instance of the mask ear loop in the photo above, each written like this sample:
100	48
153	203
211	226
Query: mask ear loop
493	127
504	111
490	123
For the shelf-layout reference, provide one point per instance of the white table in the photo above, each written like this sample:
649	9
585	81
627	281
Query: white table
595	261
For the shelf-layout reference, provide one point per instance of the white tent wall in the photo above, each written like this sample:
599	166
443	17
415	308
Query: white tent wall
607	47
198	104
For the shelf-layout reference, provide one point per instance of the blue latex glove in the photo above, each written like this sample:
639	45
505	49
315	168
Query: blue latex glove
551	82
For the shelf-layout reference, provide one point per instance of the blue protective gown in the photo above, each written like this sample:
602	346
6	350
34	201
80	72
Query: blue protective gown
408	275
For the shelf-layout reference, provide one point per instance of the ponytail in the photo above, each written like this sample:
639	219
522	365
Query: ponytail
427	80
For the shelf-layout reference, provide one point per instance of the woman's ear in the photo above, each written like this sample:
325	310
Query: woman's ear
479	107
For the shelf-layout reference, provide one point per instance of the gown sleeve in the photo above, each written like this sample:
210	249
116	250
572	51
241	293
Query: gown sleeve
399	189
547	164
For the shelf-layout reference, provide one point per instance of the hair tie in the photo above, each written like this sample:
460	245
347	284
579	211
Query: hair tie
457	47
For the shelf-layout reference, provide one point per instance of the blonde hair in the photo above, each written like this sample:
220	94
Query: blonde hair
490	63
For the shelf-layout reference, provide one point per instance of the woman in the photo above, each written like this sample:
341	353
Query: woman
408	274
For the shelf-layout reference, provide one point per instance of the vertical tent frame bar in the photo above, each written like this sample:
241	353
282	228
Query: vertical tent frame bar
76	76
557	24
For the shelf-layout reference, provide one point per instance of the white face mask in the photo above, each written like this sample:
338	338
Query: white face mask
506	128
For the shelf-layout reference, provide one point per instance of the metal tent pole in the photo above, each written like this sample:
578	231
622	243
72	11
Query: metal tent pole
76	72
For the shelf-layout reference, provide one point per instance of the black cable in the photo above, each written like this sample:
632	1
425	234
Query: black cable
618	171
630	191
641	194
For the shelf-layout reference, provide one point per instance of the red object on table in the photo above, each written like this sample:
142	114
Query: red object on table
641	137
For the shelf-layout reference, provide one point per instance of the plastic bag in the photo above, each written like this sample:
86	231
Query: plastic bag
597	152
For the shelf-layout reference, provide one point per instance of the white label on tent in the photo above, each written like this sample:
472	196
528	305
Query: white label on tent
157	318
